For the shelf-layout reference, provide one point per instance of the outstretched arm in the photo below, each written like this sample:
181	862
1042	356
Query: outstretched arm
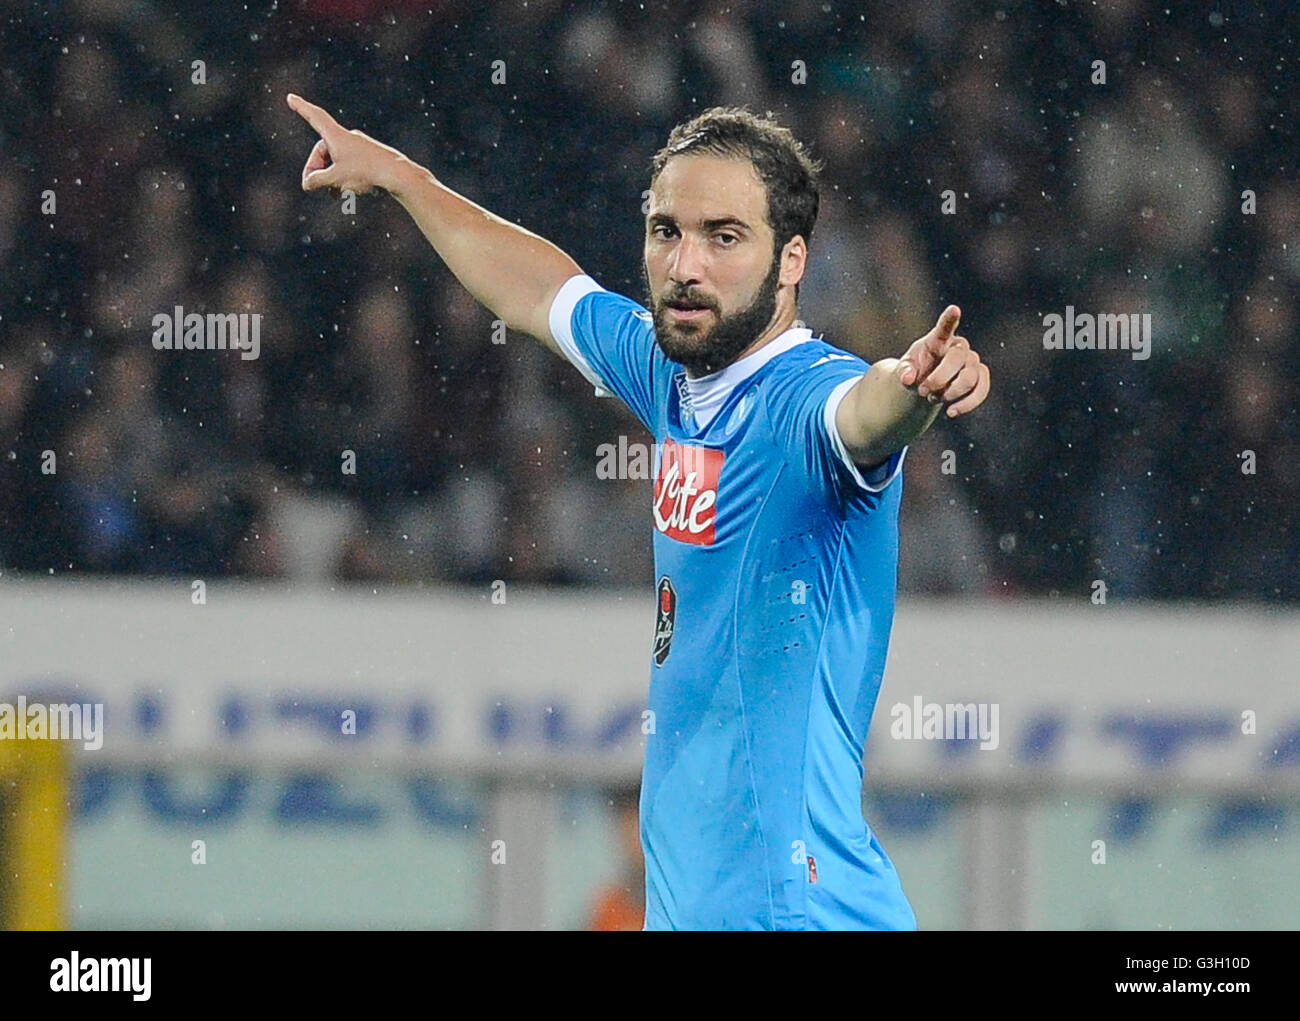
512	271
899	398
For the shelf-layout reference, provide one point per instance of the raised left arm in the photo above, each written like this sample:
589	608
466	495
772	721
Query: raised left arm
897	399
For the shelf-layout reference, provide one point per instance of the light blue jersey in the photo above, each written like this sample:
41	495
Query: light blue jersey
776	562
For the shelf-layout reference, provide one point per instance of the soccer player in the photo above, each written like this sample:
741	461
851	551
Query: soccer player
777	482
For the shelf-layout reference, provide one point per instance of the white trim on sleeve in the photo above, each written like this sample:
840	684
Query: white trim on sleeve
833	431
560	320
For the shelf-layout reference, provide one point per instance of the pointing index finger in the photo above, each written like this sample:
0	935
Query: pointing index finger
319	119
947	324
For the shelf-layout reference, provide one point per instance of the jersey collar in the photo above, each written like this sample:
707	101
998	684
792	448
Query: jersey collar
707	393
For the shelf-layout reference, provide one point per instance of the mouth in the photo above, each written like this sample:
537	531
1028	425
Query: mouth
686	313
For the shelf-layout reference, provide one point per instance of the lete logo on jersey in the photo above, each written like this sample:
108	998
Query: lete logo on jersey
686	492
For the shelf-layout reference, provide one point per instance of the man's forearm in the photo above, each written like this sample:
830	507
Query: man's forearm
512	271
509	269
880	415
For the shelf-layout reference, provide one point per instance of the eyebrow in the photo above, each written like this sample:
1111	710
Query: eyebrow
714	224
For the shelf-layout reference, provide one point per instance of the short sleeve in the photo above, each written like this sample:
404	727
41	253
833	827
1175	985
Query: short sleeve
802	403
609	338
872	480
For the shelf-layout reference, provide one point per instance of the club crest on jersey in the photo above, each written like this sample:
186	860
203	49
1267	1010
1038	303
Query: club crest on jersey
665	620
686	492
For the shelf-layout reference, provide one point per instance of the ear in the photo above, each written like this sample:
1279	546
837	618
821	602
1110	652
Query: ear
794	261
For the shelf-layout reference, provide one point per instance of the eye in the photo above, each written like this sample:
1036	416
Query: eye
654	231
730	239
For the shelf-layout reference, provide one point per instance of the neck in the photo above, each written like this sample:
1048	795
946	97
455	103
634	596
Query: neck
781	322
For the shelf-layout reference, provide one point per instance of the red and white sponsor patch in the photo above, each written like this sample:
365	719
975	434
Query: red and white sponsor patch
686	492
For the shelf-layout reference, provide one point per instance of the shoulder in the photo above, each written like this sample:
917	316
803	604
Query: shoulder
581	291
817	353
815	365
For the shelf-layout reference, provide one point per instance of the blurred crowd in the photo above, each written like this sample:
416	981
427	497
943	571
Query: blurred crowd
148	160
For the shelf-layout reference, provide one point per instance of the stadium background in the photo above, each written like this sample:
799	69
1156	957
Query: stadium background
476	460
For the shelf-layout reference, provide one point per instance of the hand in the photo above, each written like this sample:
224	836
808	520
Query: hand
343	159
944	368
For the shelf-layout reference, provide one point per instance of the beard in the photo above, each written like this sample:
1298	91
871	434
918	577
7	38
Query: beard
703	350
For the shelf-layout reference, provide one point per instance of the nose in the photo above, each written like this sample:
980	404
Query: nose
687	265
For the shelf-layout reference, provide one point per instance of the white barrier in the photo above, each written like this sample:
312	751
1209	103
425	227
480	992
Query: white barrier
554	679
547	690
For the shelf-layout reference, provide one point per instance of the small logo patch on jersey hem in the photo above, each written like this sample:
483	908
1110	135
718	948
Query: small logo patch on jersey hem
665	620
812	869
